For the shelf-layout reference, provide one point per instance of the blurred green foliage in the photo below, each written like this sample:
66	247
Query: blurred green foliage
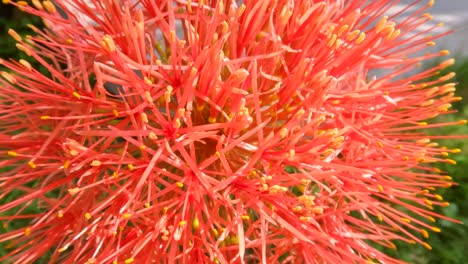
449	246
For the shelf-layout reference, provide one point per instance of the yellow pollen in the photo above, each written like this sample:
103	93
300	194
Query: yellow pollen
66	164
115	112
431	3
115	175
305	219
165	209
431	43
147	205
245	217
422	124
182	223
430	218
77	95
12	153
26	64
179	184
60	214
87	216
435	229
129	260
130	166
45	117
332	40
379	144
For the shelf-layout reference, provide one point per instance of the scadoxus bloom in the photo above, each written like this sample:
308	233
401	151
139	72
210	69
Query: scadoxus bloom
218	132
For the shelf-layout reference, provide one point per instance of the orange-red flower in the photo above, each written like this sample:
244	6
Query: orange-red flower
213	131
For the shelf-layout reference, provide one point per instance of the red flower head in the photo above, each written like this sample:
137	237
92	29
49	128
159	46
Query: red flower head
213	131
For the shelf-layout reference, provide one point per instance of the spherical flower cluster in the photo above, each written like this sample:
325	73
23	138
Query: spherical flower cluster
183	131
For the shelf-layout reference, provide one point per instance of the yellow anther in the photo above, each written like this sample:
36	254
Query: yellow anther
147	205
361	38
241	10
462	122
76	95
144	118
14	35
283	132
430	218
49	6
23	49
126	215
305	219
73	191
45	117
27	231
297	208
152	135
424	233
32	165
129	260
218	154
87	216
398	146
444	52
108	43
66	164
9	77
142	147
435	229
148	97
457	150
426	245
195	223
332	40
115	112
164	210
404	219
26	64
179	184
182	223
130	166
342	29
60	214
422	123
212	119
245	217
95	163
451	161
380	187
62	249
379	144
380	217
12	153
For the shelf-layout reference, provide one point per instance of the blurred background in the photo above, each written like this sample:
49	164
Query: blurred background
449	246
